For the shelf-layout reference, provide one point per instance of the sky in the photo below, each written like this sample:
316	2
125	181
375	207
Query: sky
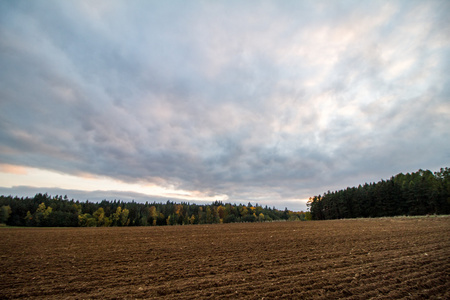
268	102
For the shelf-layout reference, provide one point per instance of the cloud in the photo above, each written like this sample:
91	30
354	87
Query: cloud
127	196
11	169
271	101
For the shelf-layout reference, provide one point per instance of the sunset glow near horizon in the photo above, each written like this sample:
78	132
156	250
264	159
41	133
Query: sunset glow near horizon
268	102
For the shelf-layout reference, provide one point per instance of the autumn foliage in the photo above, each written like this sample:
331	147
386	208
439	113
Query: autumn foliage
43	210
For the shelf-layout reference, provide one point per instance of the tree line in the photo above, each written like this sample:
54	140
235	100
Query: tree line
418	193
44	211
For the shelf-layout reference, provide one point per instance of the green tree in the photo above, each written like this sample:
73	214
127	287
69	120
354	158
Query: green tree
41	215
308	216
29	219
87	220
5	212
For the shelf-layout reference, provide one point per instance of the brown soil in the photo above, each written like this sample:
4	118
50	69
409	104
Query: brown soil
354	259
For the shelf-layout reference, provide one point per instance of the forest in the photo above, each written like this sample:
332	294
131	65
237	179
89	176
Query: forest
46	211
418	193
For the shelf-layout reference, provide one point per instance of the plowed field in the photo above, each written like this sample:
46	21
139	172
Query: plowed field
355	259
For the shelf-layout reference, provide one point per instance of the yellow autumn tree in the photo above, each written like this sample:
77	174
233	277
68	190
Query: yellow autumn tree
221	210
243	211
116	216
192	219
120	217
41	214
124	220
102	220
261	217
5	212
153	213
179	210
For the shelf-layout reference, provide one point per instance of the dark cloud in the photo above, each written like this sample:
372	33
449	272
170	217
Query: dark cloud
268	102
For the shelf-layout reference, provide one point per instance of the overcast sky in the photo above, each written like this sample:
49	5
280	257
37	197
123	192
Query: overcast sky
270	102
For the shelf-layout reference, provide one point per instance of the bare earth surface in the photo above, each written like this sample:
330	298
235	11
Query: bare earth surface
354	259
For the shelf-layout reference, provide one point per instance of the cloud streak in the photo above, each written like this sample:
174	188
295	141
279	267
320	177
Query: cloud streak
265	101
